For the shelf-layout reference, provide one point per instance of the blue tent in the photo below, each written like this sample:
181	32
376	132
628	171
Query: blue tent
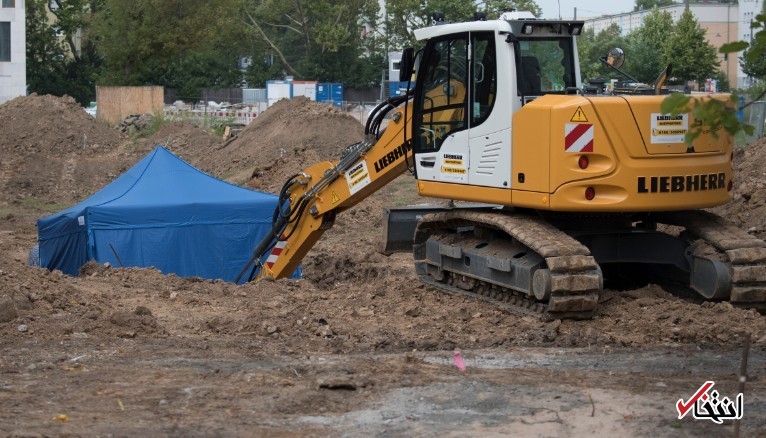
163	213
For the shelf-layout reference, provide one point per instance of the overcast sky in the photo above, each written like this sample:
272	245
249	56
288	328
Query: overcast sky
585	8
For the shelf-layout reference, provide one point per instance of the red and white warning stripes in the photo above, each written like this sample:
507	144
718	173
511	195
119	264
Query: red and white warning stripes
276	252
578	137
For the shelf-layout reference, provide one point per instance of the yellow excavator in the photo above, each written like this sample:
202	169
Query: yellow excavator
559	188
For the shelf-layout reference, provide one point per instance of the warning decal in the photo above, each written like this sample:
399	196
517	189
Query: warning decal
335	198
276	252
453	168
578	137
669	129
579	116
358	177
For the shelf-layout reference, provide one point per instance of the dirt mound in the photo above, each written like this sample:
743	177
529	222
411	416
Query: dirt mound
386	309
54	151
194	145
54	126
748	206
285	139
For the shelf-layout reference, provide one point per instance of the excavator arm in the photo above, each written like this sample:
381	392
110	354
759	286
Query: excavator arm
309	201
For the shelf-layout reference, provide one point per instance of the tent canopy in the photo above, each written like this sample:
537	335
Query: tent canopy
163	213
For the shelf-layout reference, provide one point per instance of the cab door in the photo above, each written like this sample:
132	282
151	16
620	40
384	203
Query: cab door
440	135
490	118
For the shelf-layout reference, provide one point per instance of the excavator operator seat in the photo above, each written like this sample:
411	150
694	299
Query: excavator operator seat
530	82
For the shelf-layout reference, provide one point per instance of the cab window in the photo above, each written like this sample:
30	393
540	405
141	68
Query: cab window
545	66
443	92
484	68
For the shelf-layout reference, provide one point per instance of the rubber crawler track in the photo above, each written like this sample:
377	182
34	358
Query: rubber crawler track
745	254
576	280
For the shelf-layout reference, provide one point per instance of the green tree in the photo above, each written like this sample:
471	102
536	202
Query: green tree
496	7
715	114
592	46
55	63
645	43
404	16
642	5
319	39
154	41
694	59
754	58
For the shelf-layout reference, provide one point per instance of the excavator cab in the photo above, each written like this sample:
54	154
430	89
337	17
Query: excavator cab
472	78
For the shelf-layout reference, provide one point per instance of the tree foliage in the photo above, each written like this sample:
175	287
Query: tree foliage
168	41
592	46
694	59
643	5
404	16
715	114
645	46
56	64
319	39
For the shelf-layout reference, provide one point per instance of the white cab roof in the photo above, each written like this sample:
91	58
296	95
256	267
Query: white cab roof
470	26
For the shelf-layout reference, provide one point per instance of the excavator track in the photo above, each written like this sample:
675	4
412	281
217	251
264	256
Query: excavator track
562	280
744	255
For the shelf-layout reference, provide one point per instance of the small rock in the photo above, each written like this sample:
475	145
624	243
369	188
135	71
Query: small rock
325	331
23	328
413	312
163	402
646	302
8	310
142	310
173	295
272	329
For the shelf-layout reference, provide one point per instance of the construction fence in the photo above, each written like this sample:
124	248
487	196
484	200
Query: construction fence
207	114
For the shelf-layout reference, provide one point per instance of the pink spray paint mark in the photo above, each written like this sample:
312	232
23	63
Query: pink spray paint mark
458	360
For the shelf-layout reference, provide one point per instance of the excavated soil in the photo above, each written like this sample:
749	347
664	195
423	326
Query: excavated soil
748	206
359	346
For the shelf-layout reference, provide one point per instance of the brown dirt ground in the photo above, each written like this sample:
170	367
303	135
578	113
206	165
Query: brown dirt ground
132	351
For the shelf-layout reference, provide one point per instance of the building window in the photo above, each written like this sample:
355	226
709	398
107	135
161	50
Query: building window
5	41
9	3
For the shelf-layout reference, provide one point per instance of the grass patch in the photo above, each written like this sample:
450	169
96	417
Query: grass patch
154	125
40	205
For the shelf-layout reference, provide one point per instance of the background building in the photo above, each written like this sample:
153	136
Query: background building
13	56
748	9
722	22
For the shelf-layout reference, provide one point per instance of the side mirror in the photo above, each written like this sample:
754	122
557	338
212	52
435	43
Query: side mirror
406	64
615	57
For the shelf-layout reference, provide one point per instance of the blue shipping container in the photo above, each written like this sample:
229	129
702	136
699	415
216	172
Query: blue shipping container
397	89
331	93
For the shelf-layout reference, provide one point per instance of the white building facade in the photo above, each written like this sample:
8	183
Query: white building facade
748	10
13	54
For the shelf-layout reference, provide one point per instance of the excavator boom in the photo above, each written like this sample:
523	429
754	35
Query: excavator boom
309	201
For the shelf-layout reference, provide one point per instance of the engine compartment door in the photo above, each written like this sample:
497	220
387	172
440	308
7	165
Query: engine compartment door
664	134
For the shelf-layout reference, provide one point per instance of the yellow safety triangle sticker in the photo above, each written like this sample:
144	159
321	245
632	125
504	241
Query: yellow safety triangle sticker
579	116
335	198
